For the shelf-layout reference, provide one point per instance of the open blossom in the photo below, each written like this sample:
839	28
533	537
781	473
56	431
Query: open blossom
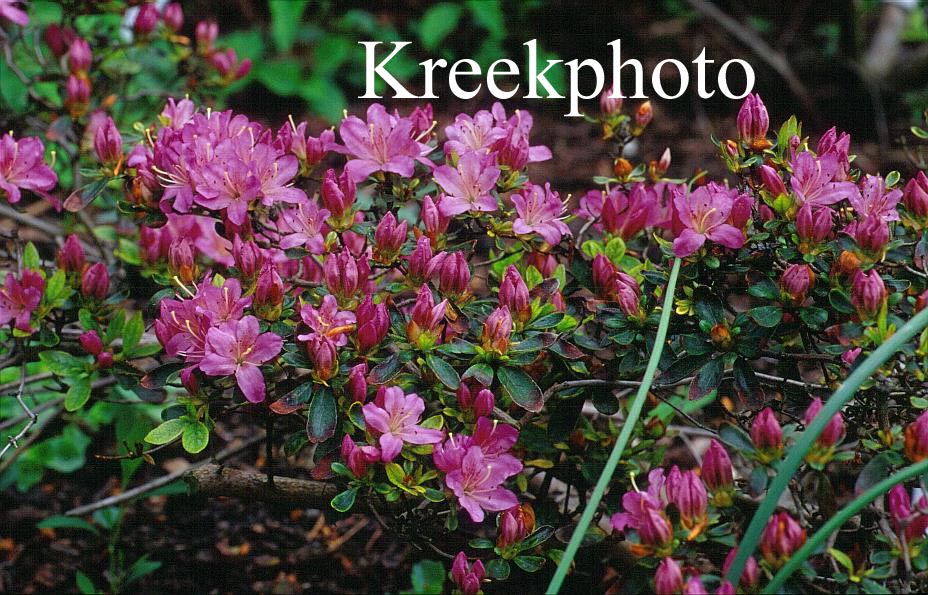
10	11
305	224
539	210
477	483
644	512
357	458
876	200
19	298
703	215
226	62
813	181
396	421
327	321
467	187
838	145
627	213
239	348
22	167
475	133
384	143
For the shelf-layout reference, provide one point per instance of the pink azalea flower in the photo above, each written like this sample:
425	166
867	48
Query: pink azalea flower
22	165
306	224
875	200
626	214
239	348
10	12
181	330
703	215
396	419
539	209
472	134
328	321
201	231
19	298
477	483
522	120
384	143
221	304
467	187
812	180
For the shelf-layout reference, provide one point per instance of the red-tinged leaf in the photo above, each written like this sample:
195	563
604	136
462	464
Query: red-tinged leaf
294	400
84	195
521	388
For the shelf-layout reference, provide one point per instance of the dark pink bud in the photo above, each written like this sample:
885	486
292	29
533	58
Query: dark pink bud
899	506
512	528
694	586
91	342
765	213
356	387
174	16
850	356
71	258
795	282
726	588
373	324
105	360
345	276
668	579
146	20
154	243
751	573
77	96
872	234
206	34
467	578
417	263
654	528
338	195
753	122
741	210
767	436
782	536
686	491
357	458
512	150
322	354
772	180
423	119
833	432
389	238
718	475
227	64
248	257
451	272
916	439
813	228
181	260
643	115
608	104
58	39
433	221
497	330
915	196
79	55
107	142
868	294
603	275
191	380
513	293
95	282
269	293
424	326
484	403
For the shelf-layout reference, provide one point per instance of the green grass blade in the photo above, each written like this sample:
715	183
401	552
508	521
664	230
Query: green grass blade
633	412
797	453
835	522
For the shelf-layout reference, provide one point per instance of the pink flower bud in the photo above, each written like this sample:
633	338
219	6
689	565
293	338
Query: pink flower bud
765	214
915	196
451	272
899	506
654	528
608	104
643	116
191	380
79	55
497	330
750	576
95	282
107	142
850	356
782	536
356	387
105	360
424	326
77	94
513	293
868	294
718	475
269	293
417	263
373	324
91	342
146	20
512	150
248	257
813	228
872	234
753	122
467	578
181	260
512	527
694	586
767	436
423	118
357	458
603	275
726	588
668	579
833	432
795	283
338	195
686	491
772	180
627	293
71	257
322	354
206	34
174	16
227	64
389	238
58	39
434	222
916	439
345	276
484	403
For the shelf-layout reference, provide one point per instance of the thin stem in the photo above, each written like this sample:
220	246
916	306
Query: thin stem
790	465
835	522
633	413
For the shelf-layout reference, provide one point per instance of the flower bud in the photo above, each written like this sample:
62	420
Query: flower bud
603	275
668	579
206	34
781	538
91	342
107	142
322	354
79	56
248	258
467	578
694	586
373	324
174	16
389	238
269	293
725	588
868	294
451	272
512	150
512	528
356	387
915	197
423	119
146	19
872	235
105	360
655	530
424	326
643	117
622	168
753	122
182	261
58	39
767	436
850	356
795	283
686	491
772	181
77	95
417	263
765	214
899	506
823	449
608	104
484	403
513	293
434	222
191	380
71	257
750	576
338	195
497	330
916	439
345	276
846	265
812	228
718	475
95	282
357	458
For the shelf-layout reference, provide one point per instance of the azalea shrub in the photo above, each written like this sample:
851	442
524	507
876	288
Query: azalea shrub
448	338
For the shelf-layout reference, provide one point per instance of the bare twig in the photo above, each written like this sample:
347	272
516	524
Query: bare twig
34	222
33	417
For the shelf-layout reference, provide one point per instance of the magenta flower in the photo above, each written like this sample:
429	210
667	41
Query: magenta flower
668	579
625	214
468	187
839	146
522	120
686	491
396	420
306	224
239	348
876	200
703	215
782	536
513	293
539	209
467	578
10	11
22	167
221	304
812	181
477	483
451	272
373	324
472	134
357	457
327	321
384	143
644	512
345	275
19	298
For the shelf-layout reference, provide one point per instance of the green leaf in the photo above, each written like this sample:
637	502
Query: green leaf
385	370
396	475
443	371
60	363
538	537
195	438
875	471
615	249
529	563
158	377
83	196
498	569
482	373
78	394
814	317
437	22
489	15
140	569
84	584
285	21
67	522
293	400
343	501
321	416
736	438
707	379
682	368
767	316
167	431
132	332
481	543
521	388
281	77
428	577
766	289
31	259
